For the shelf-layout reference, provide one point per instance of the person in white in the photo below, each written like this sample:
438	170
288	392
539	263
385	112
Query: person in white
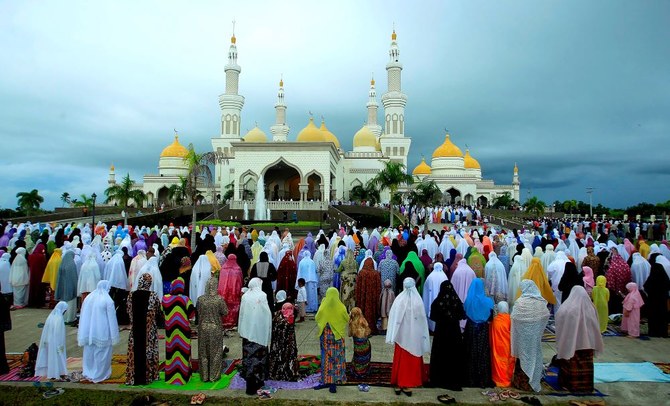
98	333
51	360
5	286
431	289
89	276
151	267
201	273
19	278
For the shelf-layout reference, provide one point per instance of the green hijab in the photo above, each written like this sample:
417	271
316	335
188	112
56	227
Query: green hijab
332	312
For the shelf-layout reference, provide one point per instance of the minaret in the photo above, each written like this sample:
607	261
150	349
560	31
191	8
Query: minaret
230	102
516	185
394	144
372	110
280	130
112	176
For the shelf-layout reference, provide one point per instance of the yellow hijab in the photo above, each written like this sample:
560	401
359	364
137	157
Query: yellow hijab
536	274
216	266
333	313
601	295
51	271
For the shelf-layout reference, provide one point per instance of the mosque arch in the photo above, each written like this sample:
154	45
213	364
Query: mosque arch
149	199
452	196
482	201
467	199
314	182
248	184
282	181
162	196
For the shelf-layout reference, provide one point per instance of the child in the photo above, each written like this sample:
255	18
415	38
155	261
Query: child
301	299
359	330
386	298
601	296
631	310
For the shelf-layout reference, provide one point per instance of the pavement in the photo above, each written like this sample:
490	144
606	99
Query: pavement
617	349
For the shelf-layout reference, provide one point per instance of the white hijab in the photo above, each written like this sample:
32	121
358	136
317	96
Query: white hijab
18	274
431	288
51	356
255	323
115	271
408	324
89	275
151	267
640	269
4	273
97	324
496	278
201	273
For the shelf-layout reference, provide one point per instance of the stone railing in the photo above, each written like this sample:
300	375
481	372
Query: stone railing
280	205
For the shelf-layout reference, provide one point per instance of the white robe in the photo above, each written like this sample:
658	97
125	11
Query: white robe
51	356
201	273
431	288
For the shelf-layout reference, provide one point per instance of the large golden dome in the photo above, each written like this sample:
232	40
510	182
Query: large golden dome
329	136
447	150
174	150
255	135
365	138
311	133
469	162
422	168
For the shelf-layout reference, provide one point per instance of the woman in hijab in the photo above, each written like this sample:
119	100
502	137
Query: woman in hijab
577	338
178	310
477	262
51	360
286	275
19	278
569	279
419	273
37	262
588	279
332	319
348	272
98	333
66	286
367	291
601	296
502	367
324	268
211	311
529	318
115	273
448	347
5	285
657	288
388	268
89	276
266	272
5	325
230	289
359	330
284	350
307	271
255	328
514	279
479	310
144	307
537	275
408	331
631	311
454	265
426	260
496	279
618	275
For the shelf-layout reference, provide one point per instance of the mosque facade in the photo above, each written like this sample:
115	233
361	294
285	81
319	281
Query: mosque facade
314	169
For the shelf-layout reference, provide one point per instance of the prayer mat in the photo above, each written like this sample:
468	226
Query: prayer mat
549	336
663	366
551	387
613	331
606	372
194	384
15	366
378	375
118	369
309	365
309	382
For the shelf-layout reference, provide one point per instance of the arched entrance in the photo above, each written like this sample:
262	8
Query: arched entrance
467	199
149	199
482	201
163	196
314	187
282	182
452	196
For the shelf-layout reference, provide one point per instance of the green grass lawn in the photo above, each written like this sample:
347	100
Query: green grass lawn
262	225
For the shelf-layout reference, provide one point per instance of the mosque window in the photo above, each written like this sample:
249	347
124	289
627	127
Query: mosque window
395	150
402	150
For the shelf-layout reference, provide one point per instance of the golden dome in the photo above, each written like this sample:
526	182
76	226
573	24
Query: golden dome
255	135
422	168
310	133
393	36
372	82
469	162
365	138
233	39
378	147
447	150
111	168
329	136
174	150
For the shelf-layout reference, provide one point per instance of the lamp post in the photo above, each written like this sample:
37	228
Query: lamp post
93	196
589	190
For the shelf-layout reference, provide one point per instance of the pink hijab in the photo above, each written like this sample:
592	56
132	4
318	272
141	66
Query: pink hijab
577	326
287	312
588	279
633	299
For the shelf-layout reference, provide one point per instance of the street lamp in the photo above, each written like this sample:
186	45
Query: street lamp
589	190
93	196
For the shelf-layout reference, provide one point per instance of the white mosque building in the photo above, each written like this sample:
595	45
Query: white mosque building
313	169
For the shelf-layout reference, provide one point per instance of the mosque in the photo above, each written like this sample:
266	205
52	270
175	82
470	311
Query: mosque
312	170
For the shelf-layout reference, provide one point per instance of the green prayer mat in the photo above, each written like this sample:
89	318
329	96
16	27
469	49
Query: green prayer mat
194	384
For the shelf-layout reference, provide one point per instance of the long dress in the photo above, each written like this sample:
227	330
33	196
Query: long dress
601	296
267	272
37	262
283	349
502	361
143	309
286	275
368	289
656	287
477	354
333	369
230	289
348	272
448	349
52	355
178	309
5	325
324	268
255	329
211	310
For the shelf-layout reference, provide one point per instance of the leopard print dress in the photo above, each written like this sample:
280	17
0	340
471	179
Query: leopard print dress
143	308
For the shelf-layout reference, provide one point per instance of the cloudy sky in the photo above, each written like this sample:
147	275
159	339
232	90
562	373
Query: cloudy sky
576	92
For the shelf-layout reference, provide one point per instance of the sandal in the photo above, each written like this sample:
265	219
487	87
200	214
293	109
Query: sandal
407	392
504	395
494	397
194	399
53	392
264	396
446	399
514	395
397	391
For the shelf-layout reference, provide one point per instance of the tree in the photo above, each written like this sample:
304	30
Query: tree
83	201
505	201
124	192
368	193
535	206
426	193
65	198
177	192
29	201
392	177
570	206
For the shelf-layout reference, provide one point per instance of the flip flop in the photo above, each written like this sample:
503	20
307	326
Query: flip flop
446	399
264	396
53	392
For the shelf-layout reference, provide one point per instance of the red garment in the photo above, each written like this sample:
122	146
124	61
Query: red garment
618	274
502	362
407	370
287	274
37	263
367	291
230	289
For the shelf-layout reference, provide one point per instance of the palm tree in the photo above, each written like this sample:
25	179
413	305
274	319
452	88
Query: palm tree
368	193
65	198
124	192
535	206
83	201
199	173
426	193
177	192
392	177
570	205
504	201
29	201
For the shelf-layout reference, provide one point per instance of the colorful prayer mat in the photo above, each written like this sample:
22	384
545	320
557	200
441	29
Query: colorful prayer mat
118	369
551	387
309	382
15	366
194	384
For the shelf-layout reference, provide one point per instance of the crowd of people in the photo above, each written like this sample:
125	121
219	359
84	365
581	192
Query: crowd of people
485	295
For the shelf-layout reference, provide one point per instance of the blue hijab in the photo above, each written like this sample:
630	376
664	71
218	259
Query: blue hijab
477	305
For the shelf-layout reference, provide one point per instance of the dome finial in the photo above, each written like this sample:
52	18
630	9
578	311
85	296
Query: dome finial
281	80
394	36
372	80
233	39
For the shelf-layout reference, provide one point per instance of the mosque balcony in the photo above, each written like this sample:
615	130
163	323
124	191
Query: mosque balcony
281	205
369	154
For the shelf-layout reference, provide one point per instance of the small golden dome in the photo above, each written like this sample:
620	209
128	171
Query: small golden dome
111	168
233	39
516	169
255	135
329	136
447	150
422	168
310	133
469	162
174	150
365	138
372	82
281	82
393	36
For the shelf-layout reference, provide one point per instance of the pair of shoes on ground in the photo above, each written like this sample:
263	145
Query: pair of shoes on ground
198	399
406	391
446	399
266	392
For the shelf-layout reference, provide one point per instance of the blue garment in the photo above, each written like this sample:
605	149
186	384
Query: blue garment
477	305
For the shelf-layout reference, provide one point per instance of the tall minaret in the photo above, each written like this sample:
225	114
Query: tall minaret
372	110
280	130
516	185
112	176
231	103
393	141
